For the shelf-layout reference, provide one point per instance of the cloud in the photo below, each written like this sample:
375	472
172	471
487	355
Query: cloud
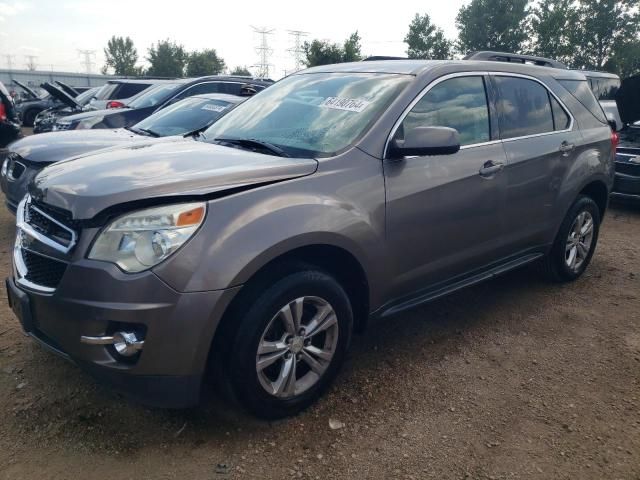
10	9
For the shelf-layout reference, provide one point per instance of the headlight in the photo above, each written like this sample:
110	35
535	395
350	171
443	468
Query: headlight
140	240
5	167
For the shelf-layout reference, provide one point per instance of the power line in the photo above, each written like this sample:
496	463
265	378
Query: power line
87	54
31	62
263	51
297	50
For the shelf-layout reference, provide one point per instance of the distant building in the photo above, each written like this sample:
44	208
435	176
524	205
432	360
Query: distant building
36	77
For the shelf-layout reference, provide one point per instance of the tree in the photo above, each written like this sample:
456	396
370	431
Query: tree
121	56
241	71
553	25
166	59
625	60
323	52
603	25
206	62
425	40
492	25
351	51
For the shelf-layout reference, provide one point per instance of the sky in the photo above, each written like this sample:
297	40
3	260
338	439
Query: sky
55	30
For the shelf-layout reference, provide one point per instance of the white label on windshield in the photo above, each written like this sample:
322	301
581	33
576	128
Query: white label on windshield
348	104
214	108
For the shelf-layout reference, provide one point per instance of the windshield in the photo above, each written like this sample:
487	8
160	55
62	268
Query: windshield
84	97
311	114
184	116
153	96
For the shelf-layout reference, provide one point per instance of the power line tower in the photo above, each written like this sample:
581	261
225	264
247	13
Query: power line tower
9	58
87	62
263	51
31	62
297	51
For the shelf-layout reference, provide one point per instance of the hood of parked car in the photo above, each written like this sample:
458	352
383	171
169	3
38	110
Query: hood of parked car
60	95
628	99
55	146
88	185
31	93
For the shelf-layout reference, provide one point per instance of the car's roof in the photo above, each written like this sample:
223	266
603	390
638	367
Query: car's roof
140	80
418	67
220	96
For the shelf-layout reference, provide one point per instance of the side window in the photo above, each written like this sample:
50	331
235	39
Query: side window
582	92
200	88
459	103
524	107
128	90
561	119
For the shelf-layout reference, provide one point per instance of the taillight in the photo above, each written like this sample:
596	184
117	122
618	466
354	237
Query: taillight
3	112
115	104
615	139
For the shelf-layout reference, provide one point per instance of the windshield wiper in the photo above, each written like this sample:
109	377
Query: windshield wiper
148	132
252	142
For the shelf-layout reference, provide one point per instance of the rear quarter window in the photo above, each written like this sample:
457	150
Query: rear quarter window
128	90
581	90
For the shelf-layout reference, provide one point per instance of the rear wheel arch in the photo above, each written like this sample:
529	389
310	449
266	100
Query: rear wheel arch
597	190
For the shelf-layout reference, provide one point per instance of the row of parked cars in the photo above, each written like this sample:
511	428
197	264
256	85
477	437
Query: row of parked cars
243	236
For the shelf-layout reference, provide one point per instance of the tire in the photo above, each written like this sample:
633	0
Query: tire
29	117
566	263
256	377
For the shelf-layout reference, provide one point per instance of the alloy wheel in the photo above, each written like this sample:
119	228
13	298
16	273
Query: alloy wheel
579	241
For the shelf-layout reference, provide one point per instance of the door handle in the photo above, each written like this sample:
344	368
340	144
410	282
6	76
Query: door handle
490	168
566	148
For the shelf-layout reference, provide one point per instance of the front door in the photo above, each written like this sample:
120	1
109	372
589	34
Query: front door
445	213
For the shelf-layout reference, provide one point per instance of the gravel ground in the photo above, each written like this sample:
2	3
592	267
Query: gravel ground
514	378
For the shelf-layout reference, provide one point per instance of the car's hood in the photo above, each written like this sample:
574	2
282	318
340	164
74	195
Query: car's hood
78	117
89	185
628	99
55	146
58	94
30	92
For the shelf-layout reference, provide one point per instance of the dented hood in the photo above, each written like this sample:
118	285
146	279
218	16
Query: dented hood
88	185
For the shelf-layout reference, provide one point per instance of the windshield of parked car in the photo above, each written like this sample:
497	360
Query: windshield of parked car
184	116
153	96
311	115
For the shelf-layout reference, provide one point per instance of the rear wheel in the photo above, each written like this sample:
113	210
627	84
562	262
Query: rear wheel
29	117
575	243
290	344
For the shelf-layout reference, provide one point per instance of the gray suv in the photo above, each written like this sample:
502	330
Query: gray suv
341	193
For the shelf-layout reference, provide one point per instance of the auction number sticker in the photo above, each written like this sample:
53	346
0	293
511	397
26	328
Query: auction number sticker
348	104
214	108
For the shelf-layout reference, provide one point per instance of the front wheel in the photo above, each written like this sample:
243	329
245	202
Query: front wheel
575	243
290	344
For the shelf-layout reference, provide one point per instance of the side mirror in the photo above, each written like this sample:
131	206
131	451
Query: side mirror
613	123
423	141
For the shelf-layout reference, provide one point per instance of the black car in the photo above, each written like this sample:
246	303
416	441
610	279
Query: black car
46	119
627	181
159	97
33	103
31	154
9	122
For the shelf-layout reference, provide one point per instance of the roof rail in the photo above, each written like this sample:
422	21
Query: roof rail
382	57
515	58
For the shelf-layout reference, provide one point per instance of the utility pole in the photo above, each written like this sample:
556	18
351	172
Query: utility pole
31	62
87	54
263	51
296	51
9	58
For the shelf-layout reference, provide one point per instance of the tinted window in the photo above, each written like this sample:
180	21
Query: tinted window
524	107
106	91
312	115
208	87
185	116
128	90
459	103
604	88
154	96
582	92
561	119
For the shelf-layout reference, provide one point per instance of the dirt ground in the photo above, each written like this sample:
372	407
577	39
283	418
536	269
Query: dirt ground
514	378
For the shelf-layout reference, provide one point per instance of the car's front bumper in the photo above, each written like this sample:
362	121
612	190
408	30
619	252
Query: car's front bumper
96	299
627	178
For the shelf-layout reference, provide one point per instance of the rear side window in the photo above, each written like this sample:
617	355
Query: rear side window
106	91
128	90
459	103
582	92
524	107
561	119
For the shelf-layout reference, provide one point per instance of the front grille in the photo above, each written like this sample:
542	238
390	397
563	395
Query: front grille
15	168
42	223
628	168
41	270
62	126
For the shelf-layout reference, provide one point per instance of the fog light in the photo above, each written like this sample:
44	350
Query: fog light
125	343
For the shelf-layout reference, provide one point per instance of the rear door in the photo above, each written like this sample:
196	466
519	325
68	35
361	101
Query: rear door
445	213
540	139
